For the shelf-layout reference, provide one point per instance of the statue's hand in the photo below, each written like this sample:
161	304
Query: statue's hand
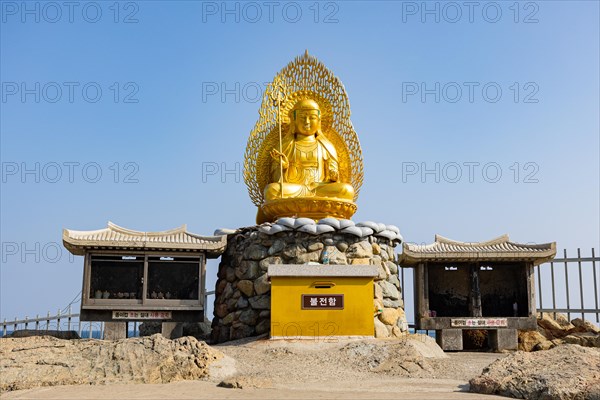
333	175
280	157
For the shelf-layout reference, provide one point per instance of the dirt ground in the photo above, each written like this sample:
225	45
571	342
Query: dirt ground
278	369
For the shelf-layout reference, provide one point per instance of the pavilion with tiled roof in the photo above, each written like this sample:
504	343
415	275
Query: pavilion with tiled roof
131	275
498	249
475	285
114	237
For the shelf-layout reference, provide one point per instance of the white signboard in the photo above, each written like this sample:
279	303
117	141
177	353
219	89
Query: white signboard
141	314
478	322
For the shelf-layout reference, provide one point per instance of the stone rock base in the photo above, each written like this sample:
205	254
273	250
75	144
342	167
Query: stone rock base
242	295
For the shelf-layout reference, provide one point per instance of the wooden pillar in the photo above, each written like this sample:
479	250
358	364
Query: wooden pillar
421	293
475	293
530	276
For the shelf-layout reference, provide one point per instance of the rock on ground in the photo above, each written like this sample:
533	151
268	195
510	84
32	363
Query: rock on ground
552	332
564	372
47	361
300	362
199	330
406	358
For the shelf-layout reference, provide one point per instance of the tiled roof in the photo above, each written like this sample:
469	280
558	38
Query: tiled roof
499	249
116	237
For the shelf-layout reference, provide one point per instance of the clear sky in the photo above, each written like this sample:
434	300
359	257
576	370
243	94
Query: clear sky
130	112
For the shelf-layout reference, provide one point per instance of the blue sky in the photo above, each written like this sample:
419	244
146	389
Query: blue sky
156	126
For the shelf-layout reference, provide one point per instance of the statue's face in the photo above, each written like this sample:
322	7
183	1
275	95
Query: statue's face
307	122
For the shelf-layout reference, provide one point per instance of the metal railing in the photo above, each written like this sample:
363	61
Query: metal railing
568	264
50	322
66	321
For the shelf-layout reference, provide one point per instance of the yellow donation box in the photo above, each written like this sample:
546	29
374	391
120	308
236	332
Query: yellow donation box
321	300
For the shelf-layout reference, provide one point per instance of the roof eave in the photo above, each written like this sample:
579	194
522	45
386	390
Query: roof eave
409	257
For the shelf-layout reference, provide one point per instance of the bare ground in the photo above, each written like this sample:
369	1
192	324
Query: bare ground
351	369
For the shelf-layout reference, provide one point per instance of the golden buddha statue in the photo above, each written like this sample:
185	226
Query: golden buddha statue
309	161
314	169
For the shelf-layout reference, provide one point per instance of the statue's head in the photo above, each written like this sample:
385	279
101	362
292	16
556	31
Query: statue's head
306	116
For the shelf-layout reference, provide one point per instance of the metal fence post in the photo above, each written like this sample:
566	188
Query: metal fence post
553	287
69	319
580	283
595	285
567	284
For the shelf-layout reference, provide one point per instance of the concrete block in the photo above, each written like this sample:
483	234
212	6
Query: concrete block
115	330
172	330
503	339
449	339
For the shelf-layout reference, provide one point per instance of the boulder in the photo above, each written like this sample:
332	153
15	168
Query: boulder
563	321
380	329
334	255
246	287
255	252
277	246
584	326
247	270
361	249
563	372
378	292
393	279
550	328
316	246
294	251
393	303
586	339
377	306
383	272
389	316
262	284
360	261
262	302
531	340
242	303
221	310
263	326
264	264
376	248
392	267
228	320
248	317
389	290
46	361
312	256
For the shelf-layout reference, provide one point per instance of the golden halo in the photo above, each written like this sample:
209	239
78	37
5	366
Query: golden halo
304	77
